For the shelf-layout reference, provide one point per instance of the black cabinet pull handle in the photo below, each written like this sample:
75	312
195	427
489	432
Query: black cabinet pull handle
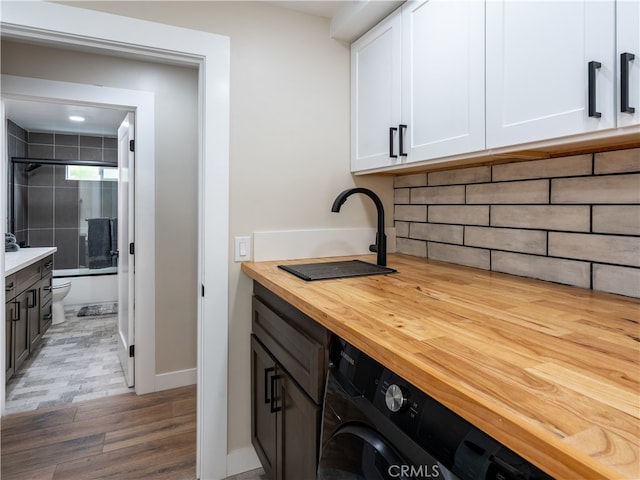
16	312
9	286
48	265
48	288
32	299
267	371
392	130
593	66
401	152
48	316
274	379
625	58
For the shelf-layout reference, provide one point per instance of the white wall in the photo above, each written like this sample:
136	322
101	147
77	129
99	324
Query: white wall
289	153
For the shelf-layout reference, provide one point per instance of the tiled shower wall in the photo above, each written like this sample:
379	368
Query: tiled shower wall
47	204
572	220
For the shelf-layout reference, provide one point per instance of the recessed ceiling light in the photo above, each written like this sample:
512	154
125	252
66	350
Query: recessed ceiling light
76	118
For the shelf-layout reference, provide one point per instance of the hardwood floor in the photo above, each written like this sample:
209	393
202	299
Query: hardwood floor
125	437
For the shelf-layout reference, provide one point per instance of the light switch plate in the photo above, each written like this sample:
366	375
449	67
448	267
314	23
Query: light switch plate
242	248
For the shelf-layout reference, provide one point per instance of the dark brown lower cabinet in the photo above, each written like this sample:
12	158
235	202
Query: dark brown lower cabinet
28	312
21	341
285	421
35	318
289	361
10	314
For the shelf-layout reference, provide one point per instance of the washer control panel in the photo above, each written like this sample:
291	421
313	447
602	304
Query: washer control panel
395	398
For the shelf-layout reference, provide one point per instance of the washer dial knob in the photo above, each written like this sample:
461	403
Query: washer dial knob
395	398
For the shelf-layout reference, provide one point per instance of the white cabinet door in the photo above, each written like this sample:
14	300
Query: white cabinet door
443	78
375	95
628	56
537	69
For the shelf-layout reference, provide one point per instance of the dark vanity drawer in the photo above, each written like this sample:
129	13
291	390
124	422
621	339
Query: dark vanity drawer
28	276
46	316
45	289
301	356
47	265
10	286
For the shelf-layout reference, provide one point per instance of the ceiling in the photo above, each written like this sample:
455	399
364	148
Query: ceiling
326	8
36	116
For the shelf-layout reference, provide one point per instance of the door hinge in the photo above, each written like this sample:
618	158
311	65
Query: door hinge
132	145
132	248
132	351
202	288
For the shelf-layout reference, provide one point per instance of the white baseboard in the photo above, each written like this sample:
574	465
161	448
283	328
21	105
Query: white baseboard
294	244
180	378
242	460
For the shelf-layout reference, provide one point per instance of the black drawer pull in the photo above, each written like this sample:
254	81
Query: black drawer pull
401	152
48	265
625	58
274	379
32	299
16	312
593	66
48	316
48	288
392	130
9	286
267	371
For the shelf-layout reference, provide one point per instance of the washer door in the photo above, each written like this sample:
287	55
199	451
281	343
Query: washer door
357	452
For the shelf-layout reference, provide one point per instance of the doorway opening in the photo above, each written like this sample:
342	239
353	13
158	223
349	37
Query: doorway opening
69	188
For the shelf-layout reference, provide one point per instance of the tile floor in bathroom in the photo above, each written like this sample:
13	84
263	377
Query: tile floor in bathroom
77	360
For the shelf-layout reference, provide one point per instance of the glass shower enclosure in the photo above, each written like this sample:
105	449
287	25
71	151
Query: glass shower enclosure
69	204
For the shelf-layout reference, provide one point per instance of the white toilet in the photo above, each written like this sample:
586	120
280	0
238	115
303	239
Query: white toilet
59	289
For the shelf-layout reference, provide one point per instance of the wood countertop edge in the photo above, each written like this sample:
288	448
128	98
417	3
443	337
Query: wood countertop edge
537	445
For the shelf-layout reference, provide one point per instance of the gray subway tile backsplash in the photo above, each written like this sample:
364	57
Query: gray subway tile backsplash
597	189
619	161
548	168
573	220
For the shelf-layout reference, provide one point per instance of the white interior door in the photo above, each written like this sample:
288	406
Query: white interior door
125	241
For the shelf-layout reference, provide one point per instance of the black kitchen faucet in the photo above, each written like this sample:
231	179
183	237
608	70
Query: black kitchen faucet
380	247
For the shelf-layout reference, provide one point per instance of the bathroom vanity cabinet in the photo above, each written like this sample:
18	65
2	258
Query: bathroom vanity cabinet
28	311
289	361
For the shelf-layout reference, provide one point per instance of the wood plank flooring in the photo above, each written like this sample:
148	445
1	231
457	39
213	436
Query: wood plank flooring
127	437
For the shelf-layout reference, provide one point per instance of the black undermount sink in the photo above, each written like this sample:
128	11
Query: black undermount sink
343	269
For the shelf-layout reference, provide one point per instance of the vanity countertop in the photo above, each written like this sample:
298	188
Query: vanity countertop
14	261
551	371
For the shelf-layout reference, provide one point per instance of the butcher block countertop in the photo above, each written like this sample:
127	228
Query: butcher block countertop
553	372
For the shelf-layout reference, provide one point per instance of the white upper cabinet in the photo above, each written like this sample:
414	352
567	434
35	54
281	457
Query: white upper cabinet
375	94
442	78
448	80
550	69
418	85
628	57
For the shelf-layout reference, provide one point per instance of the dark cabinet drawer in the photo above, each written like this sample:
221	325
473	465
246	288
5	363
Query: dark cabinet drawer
47	265
302	357
46	316
10	287
28	276
45	289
